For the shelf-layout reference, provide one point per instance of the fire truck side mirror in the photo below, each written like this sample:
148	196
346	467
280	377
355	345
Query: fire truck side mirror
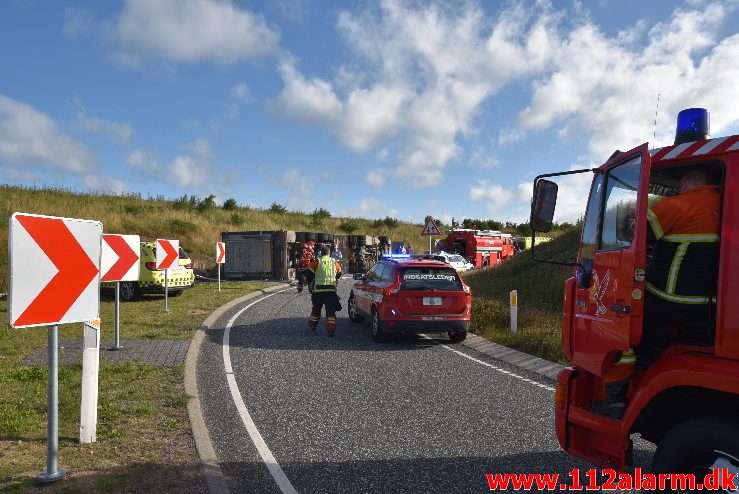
542	212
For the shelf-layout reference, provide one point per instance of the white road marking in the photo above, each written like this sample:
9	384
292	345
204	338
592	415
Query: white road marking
269	460
264	452
509	373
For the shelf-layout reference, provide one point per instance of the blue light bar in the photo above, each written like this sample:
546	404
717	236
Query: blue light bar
693	124
397	256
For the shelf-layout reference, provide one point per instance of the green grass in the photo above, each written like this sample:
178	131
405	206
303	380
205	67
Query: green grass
540	292
144	437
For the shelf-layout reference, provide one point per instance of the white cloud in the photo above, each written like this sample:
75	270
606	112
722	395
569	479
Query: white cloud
494	196
105	184
77	22
508	136
376	178
240	91
190	31
112	131
606	88
369	207
15	175
186	170
300	190
421	75
32	138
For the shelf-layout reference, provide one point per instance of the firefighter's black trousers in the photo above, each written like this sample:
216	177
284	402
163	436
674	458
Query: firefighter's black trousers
328	299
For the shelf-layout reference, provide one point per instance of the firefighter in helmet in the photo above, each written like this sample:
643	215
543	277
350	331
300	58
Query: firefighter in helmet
684	235
306	256
323	275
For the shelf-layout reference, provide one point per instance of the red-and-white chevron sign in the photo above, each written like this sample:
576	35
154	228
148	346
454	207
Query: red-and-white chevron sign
220	252
168	254
54	270
120	258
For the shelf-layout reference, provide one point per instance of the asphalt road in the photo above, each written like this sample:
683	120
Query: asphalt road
346	414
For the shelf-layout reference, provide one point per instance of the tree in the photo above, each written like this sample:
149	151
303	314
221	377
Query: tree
277	208
230	204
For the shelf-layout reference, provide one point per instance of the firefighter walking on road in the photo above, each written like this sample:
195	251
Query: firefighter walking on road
323	274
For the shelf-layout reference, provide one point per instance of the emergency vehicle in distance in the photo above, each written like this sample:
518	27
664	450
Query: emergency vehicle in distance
404	294
686	401
482	248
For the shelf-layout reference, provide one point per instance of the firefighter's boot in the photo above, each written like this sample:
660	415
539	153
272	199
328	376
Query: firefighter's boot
330	325
313	322
615	403
300	286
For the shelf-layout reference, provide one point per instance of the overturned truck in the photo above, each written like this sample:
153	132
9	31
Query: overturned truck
276	255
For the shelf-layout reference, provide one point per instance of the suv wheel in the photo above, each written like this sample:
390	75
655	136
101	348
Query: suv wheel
457	336
130	291
377	333
354	314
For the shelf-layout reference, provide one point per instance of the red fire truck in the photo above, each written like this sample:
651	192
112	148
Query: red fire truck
483	248
686	401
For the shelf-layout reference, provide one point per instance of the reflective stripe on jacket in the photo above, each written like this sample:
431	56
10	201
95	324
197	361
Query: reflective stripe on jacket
684	230
325	270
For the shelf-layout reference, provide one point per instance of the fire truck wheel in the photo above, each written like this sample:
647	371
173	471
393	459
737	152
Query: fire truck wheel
697	446
130	291
354	314
457	336
377	333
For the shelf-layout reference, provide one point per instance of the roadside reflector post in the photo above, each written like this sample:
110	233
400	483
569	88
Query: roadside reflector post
90	373
53	472
219	277
166	291
117	316
514	311
220	259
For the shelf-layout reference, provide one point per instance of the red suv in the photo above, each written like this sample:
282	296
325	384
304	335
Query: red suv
412	295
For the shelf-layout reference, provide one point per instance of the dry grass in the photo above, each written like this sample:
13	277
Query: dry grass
540	291
197	229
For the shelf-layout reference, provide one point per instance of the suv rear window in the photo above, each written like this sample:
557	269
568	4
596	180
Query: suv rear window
429	278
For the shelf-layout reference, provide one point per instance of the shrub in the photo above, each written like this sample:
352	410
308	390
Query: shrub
236	219
207	203
277	208
181	227
390	222
185	202
349	226
320	214
230	204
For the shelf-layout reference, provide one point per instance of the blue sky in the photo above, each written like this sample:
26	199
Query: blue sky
363	108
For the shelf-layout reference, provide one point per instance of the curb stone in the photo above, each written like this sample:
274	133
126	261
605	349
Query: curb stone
211	468
531	363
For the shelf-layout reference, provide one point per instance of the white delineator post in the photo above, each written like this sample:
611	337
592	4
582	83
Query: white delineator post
514	311
90	372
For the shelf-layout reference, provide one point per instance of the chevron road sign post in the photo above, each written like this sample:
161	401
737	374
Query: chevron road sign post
119	262
168	256
220	259
430	230
54	279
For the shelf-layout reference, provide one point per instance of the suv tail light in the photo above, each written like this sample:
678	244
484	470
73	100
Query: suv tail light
151	266
190	265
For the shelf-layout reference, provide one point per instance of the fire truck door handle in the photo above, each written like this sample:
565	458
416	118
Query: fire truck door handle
621	309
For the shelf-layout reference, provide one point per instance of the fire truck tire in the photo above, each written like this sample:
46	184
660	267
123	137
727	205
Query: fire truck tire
354	314
300	237
696	445
311	236
325	237
377	332
457	336
130	291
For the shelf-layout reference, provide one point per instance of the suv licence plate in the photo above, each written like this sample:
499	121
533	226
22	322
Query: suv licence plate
431	300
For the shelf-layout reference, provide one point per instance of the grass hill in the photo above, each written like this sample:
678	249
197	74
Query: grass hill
197	224
540	293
